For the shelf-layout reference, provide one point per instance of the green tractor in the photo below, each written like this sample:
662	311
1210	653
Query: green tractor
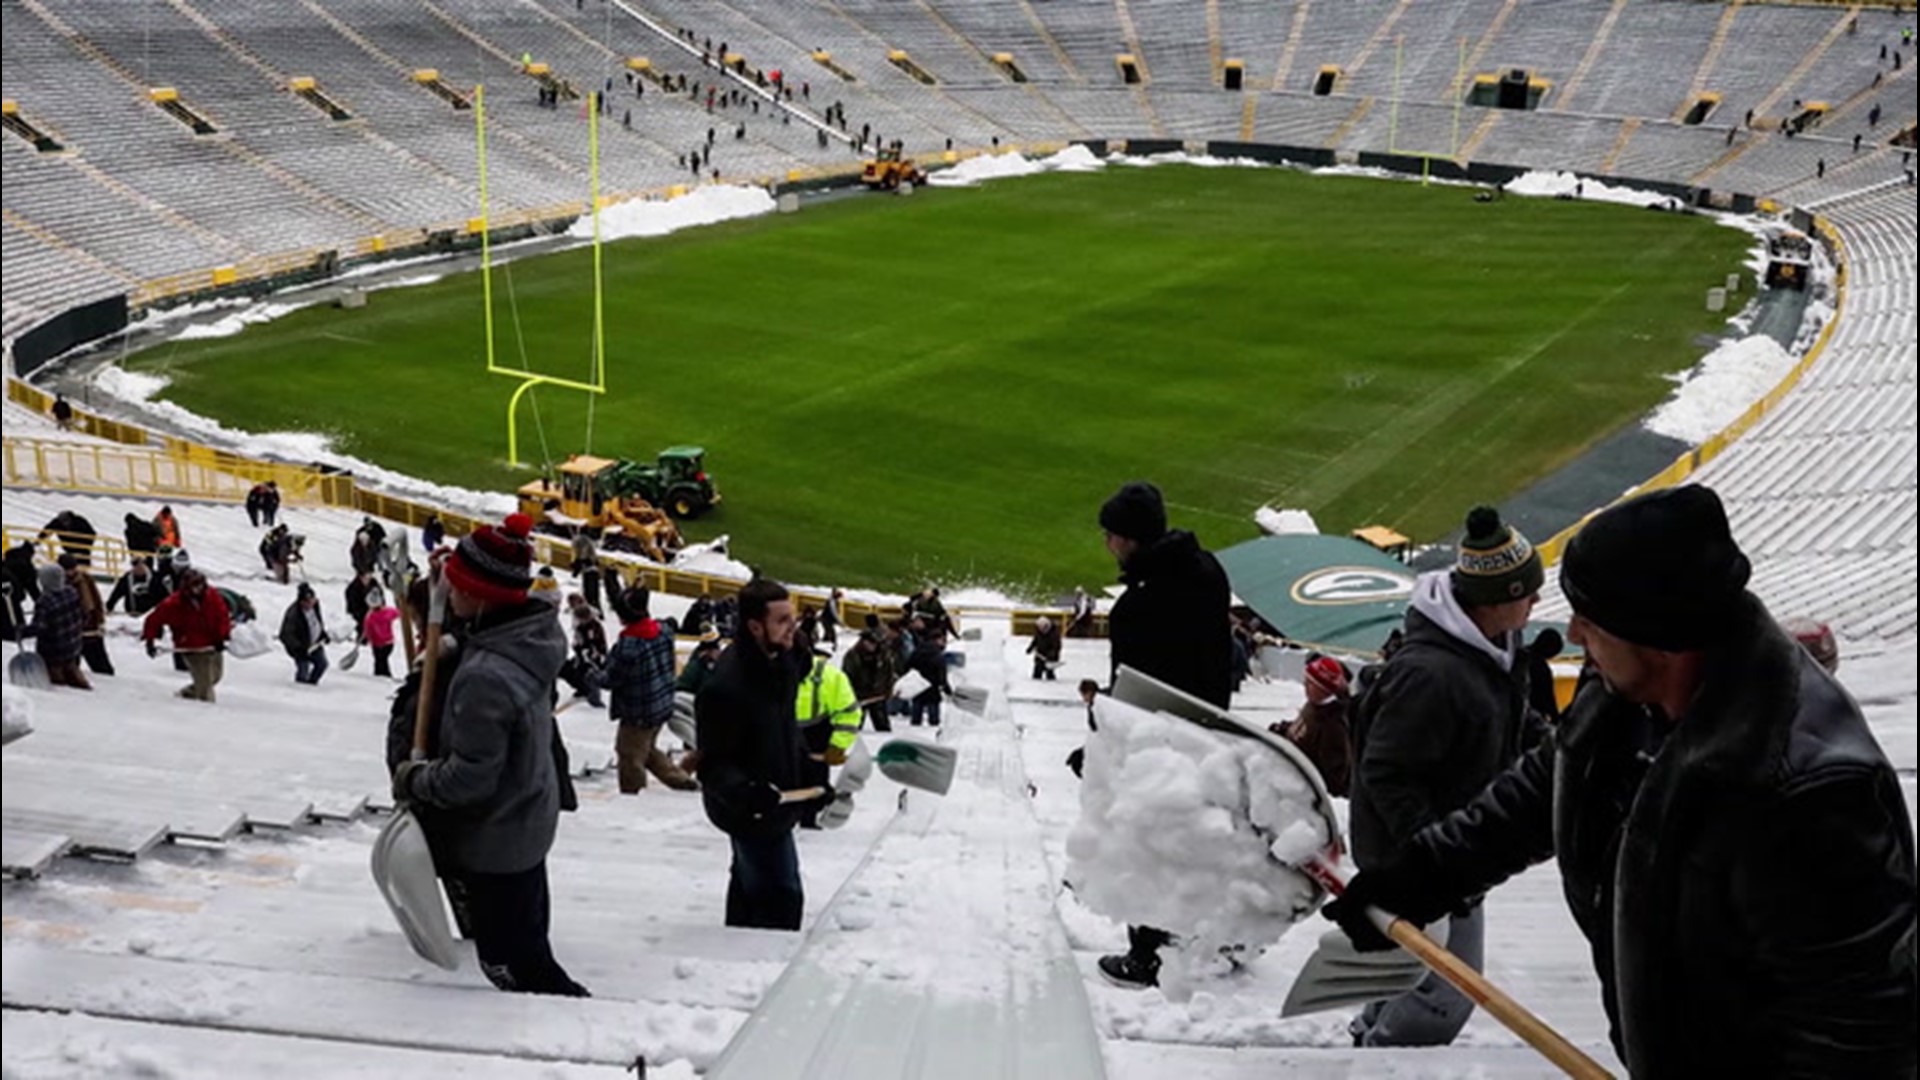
678	481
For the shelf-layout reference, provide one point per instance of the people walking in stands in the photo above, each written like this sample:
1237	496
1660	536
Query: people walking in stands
56	629
493	785
1442	717
303	633
639	678
198	619
750	760
1172	624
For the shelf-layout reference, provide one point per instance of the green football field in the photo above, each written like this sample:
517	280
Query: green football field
946	386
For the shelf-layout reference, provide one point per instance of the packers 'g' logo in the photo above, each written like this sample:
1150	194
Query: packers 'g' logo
1352	585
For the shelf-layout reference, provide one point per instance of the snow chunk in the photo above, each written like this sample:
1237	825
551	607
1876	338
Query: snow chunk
650	217
1187	829
1715	393
16	714
1278	522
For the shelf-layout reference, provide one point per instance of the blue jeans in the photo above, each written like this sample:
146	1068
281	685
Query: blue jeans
927	705
309	666
764	891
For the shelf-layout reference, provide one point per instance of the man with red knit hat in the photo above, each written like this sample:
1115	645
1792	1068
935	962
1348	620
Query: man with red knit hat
496	775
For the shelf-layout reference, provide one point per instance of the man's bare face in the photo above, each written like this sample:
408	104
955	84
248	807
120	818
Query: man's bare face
1624	666
775	633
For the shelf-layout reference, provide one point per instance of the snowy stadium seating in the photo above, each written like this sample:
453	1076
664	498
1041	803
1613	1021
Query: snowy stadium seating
136	196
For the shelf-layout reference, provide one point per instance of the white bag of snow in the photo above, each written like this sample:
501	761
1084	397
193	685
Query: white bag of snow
248	641
1192	831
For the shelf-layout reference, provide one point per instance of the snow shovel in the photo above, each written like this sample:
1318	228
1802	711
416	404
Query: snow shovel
1146	692
1514	1016
971	699
1338	975
27	670
352	658
853	777
402	861
926	766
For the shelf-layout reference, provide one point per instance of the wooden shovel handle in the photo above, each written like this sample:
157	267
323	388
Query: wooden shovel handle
1551	1044
429	671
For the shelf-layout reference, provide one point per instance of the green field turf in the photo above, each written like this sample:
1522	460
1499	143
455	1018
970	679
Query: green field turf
947	385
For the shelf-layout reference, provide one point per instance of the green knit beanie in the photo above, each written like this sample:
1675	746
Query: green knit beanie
1496	564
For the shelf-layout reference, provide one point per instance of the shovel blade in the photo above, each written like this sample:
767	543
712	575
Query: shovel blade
972	699
1337	975
28	671
926	766
403	869
352	658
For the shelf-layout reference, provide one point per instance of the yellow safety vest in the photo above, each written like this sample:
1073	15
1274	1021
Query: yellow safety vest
826	696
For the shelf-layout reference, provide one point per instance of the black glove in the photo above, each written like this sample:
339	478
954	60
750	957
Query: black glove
760	799
403	780
153	648
1077	760
823	800
1403	887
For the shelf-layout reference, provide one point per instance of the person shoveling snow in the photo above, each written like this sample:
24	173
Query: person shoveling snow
1195	831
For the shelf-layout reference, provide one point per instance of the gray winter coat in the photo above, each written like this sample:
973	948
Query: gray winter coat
496	774
1437	723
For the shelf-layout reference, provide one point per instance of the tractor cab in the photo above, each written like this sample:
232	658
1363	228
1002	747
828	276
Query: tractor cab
684	486
578	491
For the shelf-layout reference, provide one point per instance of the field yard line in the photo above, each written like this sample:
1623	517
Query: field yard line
1476	388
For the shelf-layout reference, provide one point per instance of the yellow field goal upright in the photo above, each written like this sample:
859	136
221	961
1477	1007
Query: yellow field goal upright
596	385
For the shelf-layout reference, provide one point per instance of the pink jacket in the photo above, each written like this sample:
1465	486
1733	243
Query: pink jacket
379	625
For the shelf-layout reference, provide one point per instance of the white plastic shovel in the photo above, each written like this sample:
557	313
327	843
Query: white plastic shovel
402	861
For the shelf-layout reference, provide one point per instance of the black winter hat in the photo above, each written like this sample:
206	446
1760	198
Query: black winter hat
1660	570
1136	512
1495	563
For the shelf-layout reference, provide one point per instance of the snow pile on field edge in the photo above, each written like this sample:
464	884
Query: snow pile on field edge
658	217
1721	387
296	447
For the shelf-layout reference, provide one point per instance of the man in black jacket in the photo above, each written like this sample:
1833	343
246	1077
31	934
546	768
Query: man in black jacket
1731	839
1439	720
1172	624
750	760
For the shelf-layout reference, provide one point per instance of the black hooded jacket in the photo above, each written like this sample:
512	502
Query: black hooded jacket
1172	623
1745	877
748	738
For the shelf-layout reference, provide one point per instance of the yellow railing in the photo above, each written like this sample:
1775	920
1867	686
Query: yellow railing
107	555
21	393
1696	459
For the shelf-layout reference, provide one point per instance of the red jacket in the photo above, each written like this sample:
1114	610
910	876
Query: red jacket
196	626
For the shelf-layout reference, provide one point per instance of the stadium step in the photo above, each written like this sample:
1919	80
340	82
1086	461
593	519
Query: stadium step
1592	56
1704	72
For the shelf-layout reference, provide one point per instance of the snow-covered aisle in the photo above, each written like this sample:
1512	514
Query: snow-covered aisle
941	957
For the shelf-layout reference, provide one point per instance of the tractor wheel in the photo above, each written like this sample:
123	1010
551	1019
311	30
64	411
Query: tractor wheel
686	504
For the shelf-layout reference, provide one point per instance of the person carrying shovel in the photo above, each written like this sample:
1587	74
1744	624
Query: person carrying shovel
495	769
1731	839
